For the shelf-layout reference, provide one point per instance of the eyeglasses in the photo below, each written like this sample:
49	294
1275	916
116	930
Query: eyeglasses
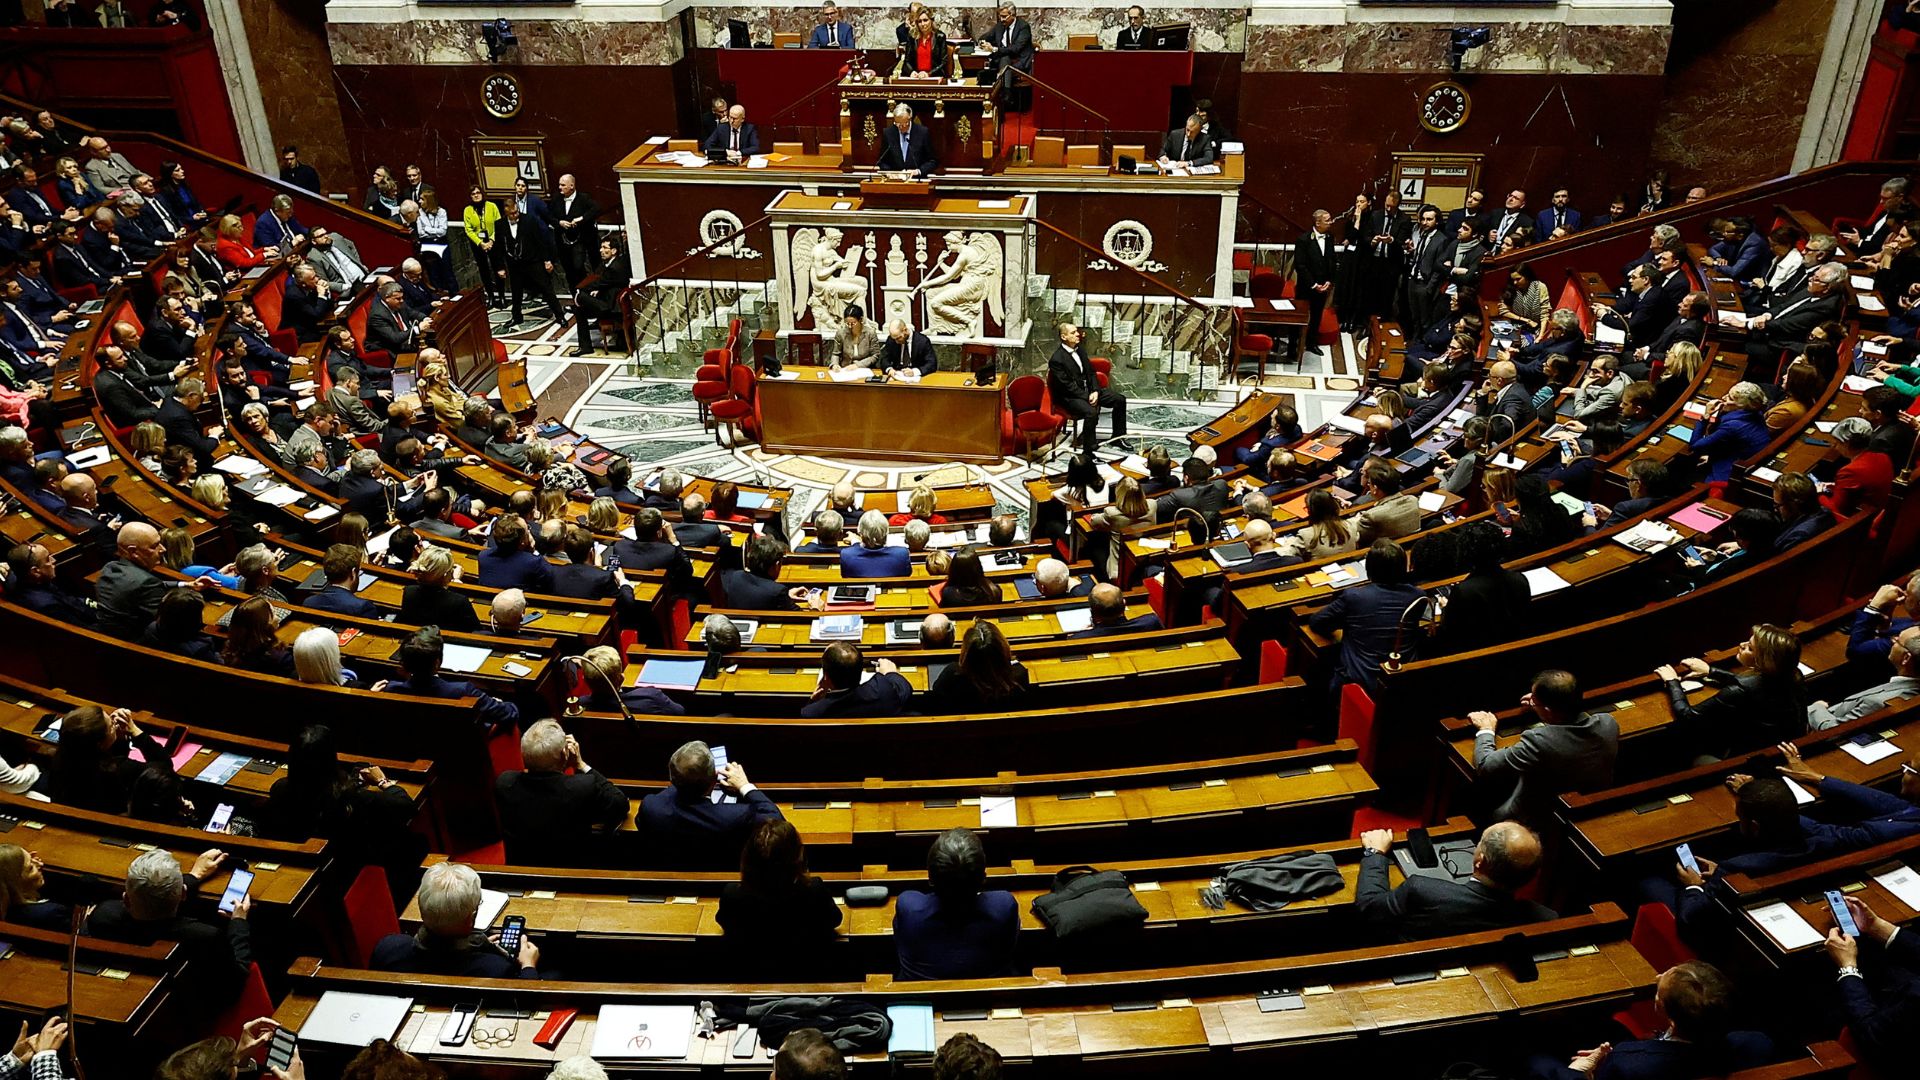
494	1038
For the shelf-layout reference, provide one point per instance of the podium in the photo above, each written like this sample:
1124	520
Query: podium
959	118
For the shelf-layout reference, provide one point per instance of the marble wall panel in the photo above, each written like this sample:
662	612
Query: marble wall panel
541	41
1214	29
1514	48
289	44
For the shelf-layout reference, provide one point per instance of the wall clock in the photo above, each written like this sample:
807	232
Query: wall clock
1444	107
501	95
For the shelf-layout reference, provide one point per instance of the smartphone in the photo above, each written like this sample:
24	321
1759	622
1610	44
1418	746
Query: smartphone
1685	851
221	816
237	887
719	794
459	1024
281	1048
1841	916
531	617
511	932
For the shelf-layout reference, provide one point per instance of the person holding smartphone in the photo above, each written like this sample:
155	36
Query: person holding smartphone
37	1055
225	1056
550	812
1881	1013
219	951
448	942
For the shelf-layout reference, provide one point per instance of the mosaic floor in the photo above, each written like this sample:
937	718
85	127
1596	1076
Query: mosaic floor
653	420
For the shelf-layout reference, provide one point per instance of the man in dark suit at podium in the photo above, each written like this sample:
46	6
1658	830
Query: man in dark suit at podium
906	347
738	138
1134	35
908	147
1188	145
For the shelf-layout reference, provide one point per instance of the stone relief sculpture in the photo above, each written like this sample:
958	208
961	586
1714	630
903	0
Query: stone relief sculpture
964	285
824	278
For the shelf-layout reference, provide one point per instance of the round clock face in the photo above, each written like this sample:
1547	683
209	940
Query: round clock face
501	95
1444	107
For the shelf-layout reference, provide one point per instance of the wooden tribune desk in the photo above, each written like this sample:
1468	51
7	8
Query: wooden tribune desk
940	418
958	116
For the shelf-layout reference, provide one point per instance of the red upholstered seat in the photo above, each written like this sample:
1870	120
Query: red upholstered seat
1102	370
1031	408
368	914
1656	936
1257	346
714	366
1273	661
253	1002
1267	284
740	407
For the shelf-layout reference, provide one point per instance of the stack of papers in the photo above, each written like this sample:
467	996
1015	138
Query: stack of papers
1858	384
848	374
671	674
1343	422
1903	882
239	465
1648	536
1873	750
837	628
1074	620
912	1029
278	495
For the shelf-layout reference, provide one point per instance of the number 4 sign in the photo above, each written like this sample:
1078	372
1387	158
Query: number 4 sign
1412	188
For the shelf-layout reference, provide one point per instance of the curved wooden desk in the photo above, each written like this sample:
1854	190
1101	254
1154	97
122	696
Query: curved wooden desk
940	418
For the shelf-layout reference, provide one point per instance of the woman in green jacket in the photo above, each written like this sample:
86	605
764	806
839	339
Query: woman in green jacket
482	219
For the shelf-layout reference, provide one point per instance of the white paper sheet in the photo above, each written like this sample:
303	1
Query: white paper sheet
492	903
1860	281
1074	620
462	658
1785	926
1870	302
1432	501
1801	796
997	812
1872	752
1858	384
1903	883
1542	580
239	465
277	495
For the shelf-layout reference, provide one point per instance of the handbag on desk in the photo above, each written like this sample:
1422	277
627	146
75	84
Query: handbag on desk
1088	903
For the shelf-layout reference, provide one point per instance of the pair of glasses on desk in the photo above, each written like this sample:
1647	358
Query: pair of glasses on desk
494	1038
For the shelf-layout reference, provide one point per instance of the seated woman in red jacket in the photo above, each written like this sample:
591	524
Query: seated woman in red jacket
920	504
1866	480
233	250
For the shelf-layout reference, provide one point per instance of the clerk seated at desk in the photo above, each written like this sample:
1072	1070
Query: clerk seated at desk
738	138
1189	145
907	349
907	148
856	345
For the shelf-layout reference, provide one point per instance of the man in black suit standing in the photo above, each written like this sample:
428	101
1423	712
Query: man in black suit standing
1008	45
1426	249
574	216
529	261
392	329
1077	391
738	138
1315	265
307	303
1134	34
1188	146
549	812
907	148
907	348
1424	907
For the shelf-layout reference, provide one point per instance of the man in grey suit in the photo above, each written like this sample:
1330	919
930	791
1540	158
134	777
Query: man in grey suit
1569	750
1423	907
336	259
1905	657
1394	513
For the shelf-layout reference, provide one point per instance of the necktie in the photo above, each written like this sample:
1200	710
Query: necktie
1183	148
160	212
80	254
736	139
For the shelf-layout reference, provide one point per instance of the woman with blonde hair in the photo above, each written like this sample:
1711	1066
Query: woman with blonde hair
75	192
921	504
603	515
210	491
1757	706
550	503
177	553
1128	508
354	530
1497	488
149	441
21	880
316	659
429	601
436	389
1676	375
232	249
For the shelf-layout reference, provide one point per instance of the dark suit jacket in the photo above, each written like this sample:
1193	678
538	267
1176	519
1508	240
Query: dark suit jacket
1367	616
335	598
302	310
1139	624
167	343
123	404
1646	314
1663	1059
692	827
722	139
1012	45
1796	314
54	601
1310	267
218	954
1693	331
1195	151
1551	219
436	605
1514	403
526	244
586	210
548	818
1425	907
1208	498
1068	379
1129	38
472	957
749	591
880	696
183	429
73	267
910	54
521	569
919	354
385	333
860	561
1484	608
588	583
919	157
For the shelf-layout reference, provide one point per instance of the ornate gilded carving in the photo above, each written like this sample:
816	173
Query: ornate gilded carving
870	132
963	127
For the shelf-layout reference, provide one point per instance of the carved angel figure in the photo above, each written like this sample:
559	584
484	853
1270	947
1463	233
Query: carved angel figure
964	282
823	278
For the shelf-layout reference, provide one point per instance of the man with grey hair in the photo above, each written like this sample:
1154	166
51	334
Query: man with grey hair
873	557
1051	578
918	534
218	954
447	942
665	494
1735	430
829	530
367	492
720	635
1790	318
907	148
278	228
574	215
936	631
391	327
507	611
258	566
578	1067
140	232
1187	146
685	820
1424	907
552	811
1868	239
1257	505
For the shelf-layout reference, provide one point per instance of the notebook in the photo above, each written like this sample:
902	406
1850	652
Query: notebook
671	674
1230	555
354	1019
